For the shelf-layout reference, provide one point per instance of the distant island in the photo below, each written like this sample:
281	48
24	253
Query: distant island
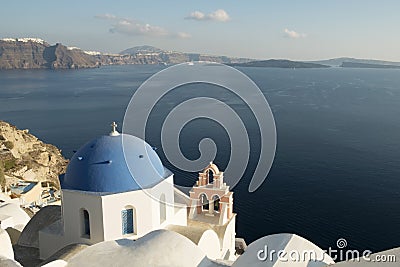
368	65
279	63
34	53
348	62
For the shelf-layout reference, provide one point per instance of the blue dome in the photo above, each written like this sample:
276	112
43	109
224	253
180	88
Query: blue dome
102	166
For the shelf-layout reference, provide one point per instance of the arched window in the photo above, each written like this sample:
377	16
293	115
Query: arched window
210	177
85	224
204	202
128	225
163	209
216	202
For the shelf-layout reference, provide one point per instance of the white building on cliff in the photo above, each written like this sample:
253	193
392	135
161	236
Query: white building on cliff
104	198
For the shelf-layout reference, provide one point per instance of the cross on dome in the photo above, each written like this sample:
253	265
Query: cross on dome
114	131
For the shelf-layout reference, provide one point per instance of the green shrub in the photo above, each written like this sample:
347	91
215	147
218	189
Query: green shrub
9	164
9	144
2	177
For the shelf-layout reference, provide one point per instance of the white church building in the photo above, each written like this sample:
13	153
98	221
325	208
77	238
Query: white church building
104	198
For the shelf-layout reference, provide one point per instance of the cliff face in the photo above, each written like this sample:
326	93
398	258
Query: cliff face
152	55
32	54
25	157
280	63
163	57
63	58
22	55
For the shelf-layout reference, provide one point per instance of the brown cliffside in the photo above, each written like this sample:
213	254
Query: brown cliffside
32	53
23	156
40	55
63	58
22	55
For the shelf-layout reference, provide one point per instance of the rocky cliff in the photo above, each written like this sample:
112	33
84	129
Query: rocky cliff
30	53
280	63
152	55
23	156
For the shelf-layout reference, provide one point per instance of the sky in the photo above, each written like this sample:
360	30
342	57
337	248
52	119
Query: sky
290	29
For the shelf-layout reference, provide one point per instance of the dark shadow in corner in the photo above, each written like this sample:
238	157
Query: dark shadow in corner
49	55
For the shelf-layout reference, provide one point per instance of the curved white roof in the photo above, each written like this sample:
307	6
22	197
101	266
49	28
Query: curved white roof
56	263
259	253
19	217
4	197
158	248
5	245
4	262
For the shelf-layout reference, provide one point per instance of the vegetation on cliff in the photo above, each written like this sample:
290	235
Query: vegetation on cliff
23	156
2	176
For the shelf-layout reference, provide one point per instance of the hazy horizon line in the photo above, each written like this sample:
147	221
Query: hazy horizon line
214	54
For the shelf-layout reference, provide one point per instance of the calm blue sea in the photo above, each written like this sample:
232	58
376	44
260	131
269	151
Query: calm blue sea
337	168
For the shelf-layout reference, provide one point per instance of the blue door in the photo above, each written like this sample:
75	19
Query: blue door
127	221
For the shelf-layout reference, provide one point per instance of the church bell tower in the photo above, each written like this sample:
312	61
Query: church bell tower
211	198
